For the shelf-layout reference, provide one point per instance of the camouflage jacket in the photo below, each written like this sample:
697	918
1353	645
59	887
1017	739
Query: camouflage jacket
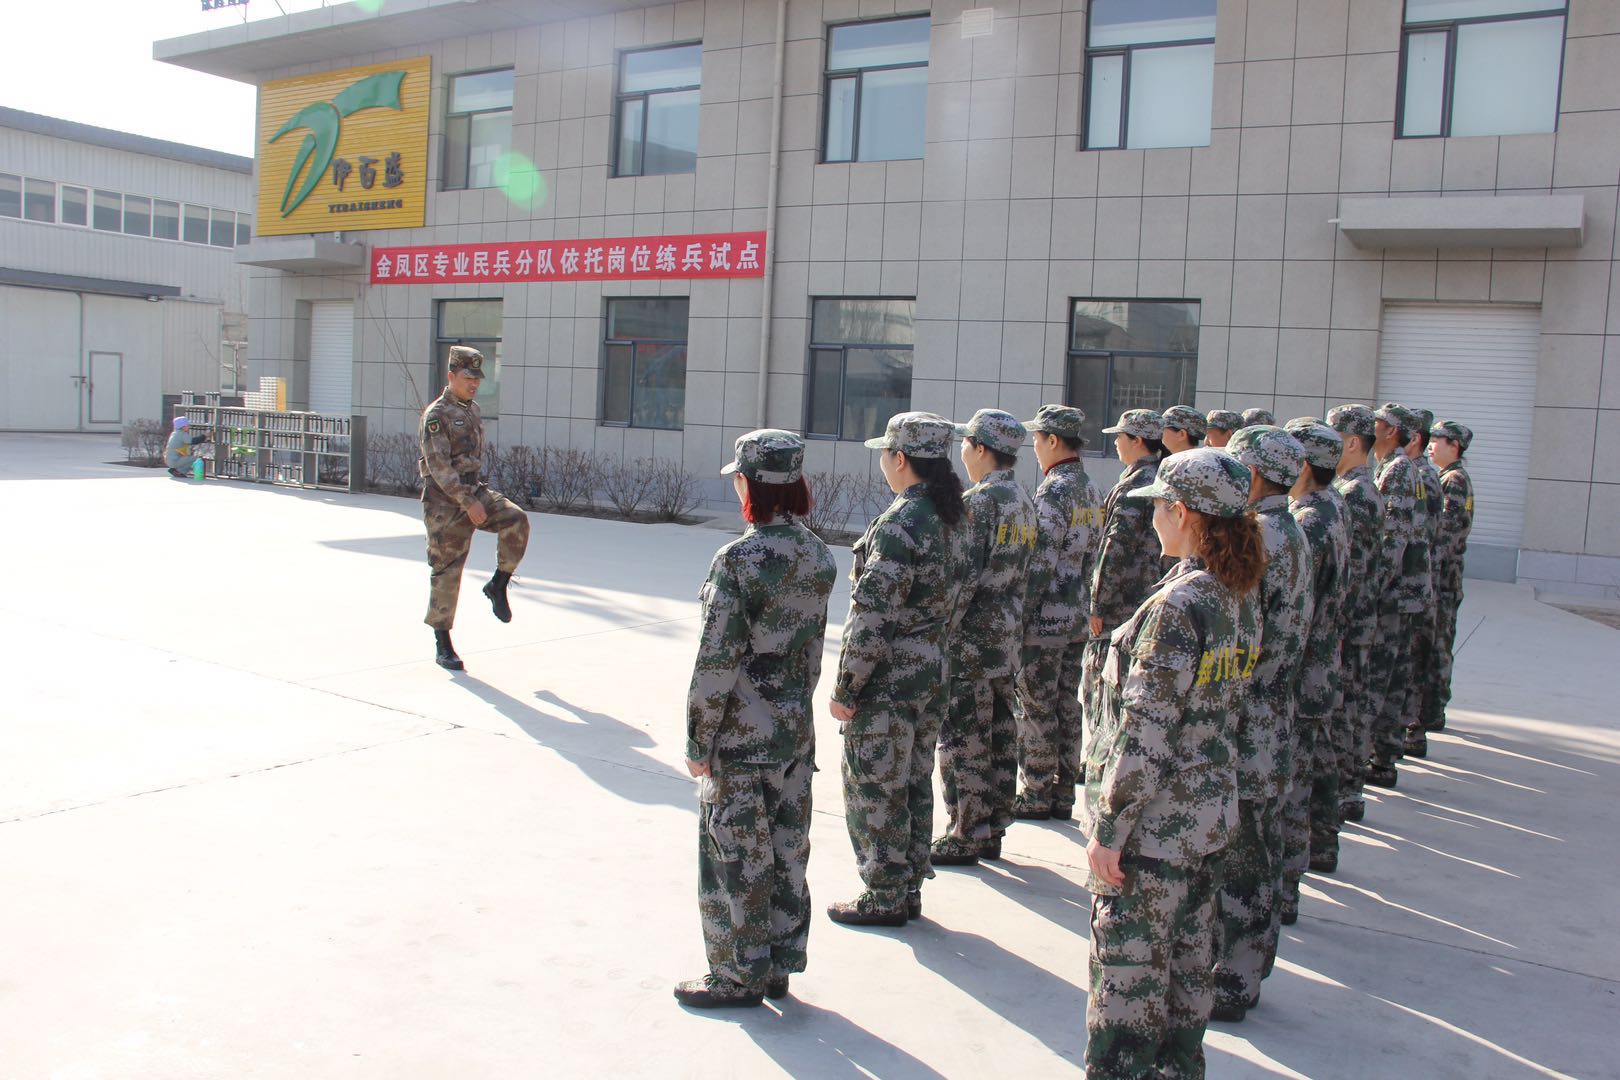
1397	484
1129	561
759	654
1266	715
1001	536
1366	520
1417	574
452	439
1161	775
1323	518
1456	519
1057	592
907	572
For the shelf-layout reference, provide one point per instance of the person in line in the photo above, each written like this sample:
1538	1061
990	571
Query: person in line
890	694
1258	418
456	502
1415	741
1184	428
1250	916
978	747
1449	442
1050	723
177	453
1219	426
1161	782
750	729
1401	592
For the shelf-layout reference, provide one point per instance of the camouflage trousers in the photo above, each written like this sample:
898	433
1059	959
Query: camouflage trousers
753	848
978	757
1246	907
1310	810
1446	600
1390	668
888	772
449	536
1420	688
1151	955
1050	722
1353	732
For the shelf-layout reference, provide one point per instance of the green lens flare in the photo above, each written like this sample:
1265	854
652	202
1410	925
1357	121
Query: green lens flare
370	7
521	180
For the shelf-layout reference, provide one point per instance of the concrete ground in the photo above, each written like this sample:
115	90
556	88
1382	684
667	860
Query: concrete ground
249	829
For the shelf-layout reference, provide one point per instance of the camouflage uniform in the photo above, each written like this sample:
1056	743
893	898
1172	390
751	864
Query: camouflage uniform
1129	559
1456	519
749	715
1050	722
1186	419
1249	913
1365	507
978	761
1161	790
1311	808
1401	597
452	440
1423	622
891	670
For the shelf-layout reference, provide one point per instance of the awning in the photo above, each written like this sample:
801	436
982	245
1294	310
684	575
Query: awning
1464	221
302	254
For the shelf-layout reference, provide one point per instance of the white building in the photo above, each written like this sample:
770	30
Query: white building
118	281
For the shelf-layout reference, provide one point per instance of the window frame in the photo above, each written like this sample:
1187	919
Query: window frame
602	419
829	74
620	97
449	94
441	347
1124	52
1448	81
1105	447
88	193
812	346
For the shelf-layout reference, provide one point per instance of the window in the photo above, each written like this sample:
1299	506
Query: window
137	215
877	90
108	211
221	228
1130	354
244	229
1150	73
165	220
75	205
476	323
658	111
196	224
10	195
644	363
1481	67
478	129
39	200
860	366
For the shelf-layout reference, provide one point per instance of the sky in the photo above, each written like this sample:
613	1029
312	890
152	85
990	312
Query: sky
91	61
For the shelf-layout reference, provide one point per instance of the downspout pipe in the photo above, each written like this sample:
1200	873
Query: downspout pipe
772	183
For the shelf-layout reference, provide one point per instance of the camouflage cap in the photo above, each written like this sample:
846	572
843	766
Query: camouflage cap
1275	454
1322	444
769	455
1064	420
1143	423
916	434
1457	433
1208	480
1223	420
1425	420
1186	418
467	361
997	430
1351	420
1252	417
1393	412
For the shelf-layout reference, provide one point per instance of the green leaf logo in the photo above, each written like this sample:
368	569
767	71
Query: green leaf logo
324	121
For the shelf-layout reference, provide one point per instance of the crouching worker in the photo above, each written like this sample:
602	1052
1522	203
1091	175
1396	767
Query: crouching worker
177	455
750	732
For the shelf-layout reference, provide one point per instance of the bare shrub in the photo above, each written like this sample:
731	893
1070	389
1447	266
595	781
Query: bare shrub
870	496
391	463
629	484
144	442
518	472
829	502
572	478
675	490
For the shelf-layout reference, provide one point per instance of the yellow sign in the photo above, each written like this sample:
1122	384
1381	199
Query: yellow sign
344	150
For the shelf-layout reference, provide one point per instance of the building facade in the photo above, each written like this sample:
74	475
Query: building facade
1278	203
118	282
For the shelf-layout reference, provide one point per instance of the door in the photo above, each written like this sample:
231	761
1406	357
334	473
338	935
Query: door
104	390
331	357
1474	363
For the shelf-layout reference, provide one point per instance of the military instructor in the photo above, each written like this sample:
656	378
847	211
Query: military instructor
456	501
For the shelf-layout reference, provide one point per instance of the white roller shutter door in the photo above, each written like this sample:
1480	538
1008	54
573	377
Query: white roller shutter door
331	357
1475	364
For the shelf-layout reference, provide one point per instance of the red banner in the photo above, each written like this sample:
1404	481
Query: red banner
625	258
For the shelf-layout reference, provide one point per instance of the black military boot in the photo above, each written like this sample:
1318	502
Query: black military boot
496	591
1381	773
865	910
444	653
